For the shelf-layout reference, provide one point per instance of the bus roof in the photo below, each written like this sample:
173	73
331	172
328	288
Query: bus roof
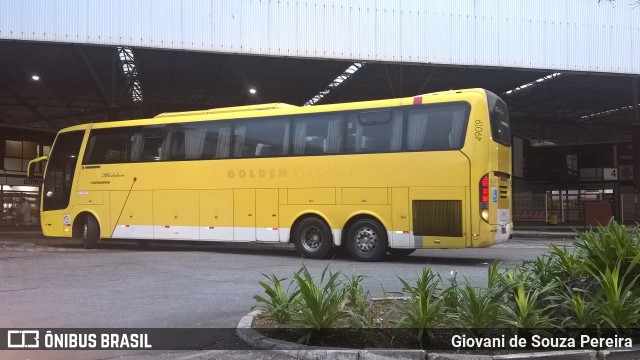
270	109
269	106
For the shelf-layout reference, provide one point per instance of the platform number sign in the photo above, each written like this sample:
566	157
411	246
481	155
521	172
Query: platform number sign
610	173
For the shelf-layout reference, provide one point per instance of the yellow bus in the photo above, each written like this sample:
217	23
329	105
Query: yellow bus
429	171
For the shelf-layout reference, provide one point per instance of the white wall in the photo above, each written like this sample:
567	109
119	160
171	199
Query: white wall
580	35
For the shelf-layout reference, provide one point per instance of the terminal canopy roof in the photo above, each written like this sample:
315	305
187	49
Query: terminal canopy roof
81	83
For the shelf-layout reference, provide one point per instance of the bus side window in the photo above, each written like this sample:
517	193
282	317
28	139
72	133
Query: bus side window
438	131
437	127
175	143
108	146
374	131
417	129
238	140
262	138
152	149
456	136
206	140
223	146
318	135
194	143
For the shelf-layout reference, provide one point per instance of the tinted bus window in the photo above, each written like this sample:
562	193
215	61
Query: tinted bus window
499	119
437	127
60	170
109	146
374	131
261	138
318	135
206	140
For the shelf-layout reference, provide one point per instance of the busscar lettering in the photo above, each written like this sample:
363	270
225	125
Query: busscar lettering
112	175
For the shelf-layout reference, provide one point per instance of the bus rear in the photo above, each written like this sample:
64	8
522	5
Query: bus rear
495	184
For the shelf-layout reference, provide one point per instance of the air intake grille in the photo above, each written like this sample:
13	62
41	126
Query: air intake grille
504	191
437	218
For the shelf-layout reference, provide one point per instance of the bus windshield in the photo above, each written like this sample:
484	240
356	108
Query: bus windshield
60	169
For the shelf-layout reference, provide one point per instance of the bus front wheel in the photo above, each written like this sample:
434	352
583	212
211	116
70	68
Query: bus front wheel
90	232
366	240
313	238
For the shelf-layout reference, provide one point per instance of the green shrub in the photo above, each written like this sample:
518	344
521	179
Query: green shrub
620	306
494	278
318	305
593	287
425	308
451	296
580	314
352	289
279	303
359	307
531	308
567	262
477	308
608	245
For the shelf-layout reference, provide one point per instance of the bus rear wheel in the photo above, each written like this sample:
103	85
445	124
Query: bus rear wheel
366	240
90	232
313	238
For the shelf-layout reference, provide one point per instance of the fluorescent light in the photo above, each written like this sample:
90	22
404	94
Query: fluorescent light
606	113
35	77
252	91
533	83
335	83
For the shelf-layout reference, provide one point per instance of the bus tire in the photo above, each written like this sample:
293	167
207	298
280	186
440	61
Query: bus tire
90	232
313	238
366	240
400	252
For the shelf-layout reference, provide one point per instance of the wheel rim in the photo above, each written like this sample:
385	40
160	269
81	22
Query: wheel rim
311	238
85	231
366	239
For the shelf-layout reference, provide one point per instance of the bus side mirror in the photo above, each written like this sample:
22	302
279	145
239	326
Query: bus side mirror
32	166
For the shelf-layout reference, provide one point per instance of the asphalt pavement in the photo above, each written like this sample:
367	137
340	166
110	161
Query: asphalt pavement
51	282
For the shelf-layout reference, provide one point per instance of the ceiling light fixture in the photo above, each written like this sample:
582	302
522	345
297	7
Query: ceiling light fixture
339	80
532	84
